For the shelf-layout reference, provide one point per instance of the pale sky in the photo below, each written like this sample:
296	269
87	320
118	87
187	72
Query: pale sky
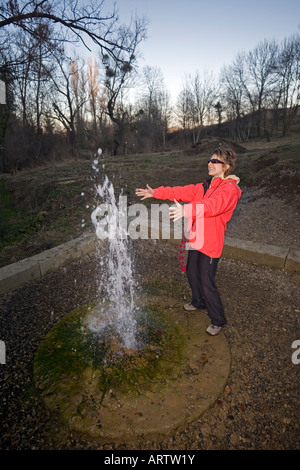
185	36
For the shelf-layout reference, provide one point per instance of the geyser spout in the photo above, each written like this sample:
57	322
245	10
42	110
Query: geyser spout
117	280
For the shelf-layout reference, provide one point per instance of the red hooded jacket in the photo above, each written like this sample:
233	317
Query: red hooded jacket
207	213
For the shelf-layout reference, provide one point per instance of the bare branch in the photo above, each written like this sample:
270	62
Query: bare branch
84	22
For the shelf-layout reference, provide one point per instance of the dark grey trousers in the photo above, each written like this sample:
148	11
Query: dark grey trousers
201	270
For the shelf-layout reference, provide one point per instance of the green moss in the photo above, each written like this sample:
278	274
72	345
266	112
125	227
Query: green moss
160	285
160	354
63	352
71	349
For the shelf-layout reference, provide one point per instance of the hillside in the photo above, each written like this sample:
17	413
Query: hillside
46	206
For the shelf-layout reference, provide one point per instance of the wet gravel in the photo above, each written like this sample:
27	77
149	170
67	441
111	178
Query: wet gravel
259	407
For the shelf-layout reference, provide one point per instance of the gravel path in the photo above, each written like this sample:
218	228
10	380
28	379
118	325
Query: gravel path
259	408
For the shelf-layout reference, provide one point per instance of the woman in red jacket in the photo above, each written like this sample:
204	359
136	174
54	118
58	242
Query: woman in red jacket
210	206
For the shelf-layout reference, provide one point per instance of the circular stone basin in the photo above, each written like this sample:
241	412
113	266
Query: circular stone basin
104	391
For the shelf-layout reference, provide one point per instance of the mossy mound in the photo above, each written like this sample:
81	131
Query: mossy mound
97	387
71	348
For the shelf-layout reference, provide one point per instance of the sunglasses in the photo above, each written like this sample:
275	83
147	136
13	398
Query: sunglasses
215	160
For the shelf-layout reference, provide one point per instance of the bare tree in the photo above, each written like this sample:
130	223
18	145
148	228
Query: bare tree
154	107
43	48
28	57
68	98
22	73
204	91
78	82
93	84
196	102
103	119
165	108
6	108
119	76
261	67
184	110
288	80
233	79
74	21
218	107
152	82
266	77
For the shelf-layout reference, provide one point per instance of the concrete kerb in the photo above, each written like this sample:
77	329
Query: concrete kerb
292	262
16	274
257	253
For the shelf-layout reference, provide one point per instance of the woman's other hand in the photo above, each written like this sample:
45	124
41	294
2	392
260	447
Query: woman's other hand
176	212
144	193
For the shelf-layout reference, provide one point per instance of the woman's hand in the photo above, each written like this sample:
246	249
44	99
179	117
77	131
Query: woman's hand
144	193
176	212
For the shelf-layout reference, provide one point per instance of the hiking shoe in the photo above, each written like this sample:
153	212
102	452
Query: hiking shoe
213	330
189	307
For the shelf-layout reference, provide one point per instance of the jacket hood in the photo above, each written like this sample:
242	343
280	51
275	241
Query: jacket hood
230	177
233	177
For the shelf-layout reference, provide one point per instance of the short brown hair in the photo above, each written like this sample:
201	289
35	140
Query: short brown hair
229	157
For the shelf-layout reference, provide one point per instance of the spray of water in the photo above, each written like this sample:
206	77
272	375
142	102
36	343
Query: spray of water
117	308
